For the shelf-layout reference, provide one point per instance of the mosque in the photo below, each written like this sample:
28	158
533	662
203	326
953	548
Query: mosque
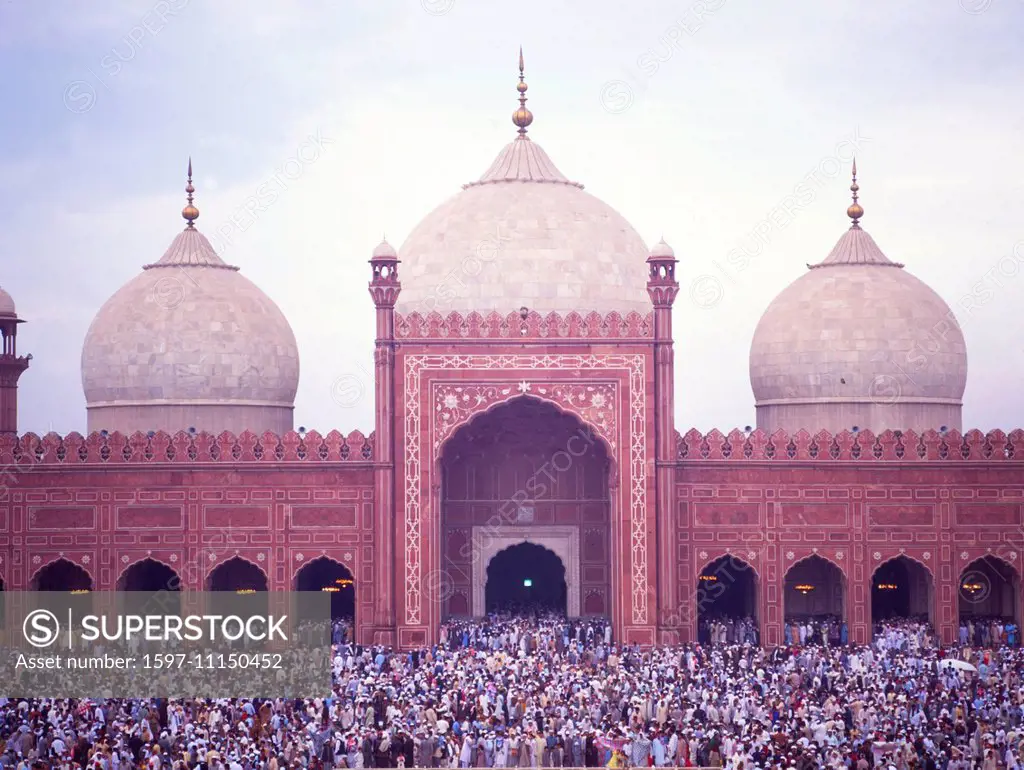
524	447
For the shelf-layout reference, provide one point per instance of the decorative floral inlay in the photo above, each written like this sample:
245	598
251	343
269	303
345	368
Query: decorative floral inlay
261	556
524	387
419	460
790	555
751	555
124	559
703	555
174	558
347	556
964	555
877	555
927	555
1013	556
86	559
212	556
299	557
36	559
840	555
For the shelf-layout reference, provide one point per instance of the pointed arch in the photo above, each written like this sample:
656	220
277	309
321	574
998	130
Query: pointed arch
544	563
71	566
908	557
711	557
219	569
727	600
479	410
326	574
989	594
122	575
902	586
814	587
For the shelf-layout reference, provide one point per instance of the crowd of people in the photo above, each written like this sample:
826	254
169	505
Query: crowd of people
548	692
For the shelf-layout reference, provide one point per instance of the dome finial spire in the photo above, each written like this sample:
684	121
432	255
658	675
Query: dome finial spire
190	212
855	210
522	117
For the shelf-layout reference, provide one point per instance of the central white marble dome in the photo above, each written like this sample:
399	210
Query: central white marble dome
523	235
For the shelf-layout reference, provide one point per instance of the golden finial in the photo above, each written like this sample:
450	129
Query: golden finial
855	210
190	212
522	117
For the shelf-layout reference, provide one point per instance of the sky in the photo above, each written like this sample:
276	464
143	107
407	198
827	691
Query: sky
694	119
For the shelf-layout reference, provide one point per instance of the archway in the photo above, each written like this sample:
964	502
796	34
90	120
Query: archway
149	575
814	595
989	597
242	587
70	583
902	589
525	467
151	586
526	578
727	602
327	575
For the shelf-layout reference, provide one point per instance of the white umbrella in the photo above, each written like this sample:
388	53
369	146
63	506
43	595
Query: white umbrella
963	665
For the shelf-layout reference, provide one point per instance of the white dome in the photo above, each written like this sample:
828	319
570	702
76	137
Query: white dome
858	341
190	342
523	236
7	304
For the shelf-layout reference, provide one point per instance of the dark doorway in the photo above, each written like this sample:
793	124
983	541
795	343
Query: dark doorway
989	592
243	585
326	575
901	589
237	575
72	584
526	578
149	575
151	587
727	602
815	589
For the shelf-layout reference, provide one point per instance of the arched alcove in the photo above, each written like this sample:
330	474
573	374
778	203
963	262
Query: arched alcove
72	584
243	585
815	589
525	470
329	576
149	575
902	588
989	592
726	601
526	577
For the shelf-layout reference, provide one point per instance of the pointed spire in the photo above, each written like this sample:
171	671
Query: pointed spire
190	212
522	117
855	210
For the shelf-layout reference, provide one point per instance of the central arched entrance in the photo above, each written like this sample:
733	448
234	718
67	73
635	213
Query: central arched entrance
525	471
526	578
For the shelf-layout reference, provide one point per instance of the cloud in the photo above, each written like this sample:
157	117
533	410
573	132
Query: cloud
416	103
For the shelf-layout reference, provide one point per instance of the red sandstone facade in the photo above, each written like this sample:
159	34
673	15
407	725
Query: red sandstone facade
398	508
193	502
